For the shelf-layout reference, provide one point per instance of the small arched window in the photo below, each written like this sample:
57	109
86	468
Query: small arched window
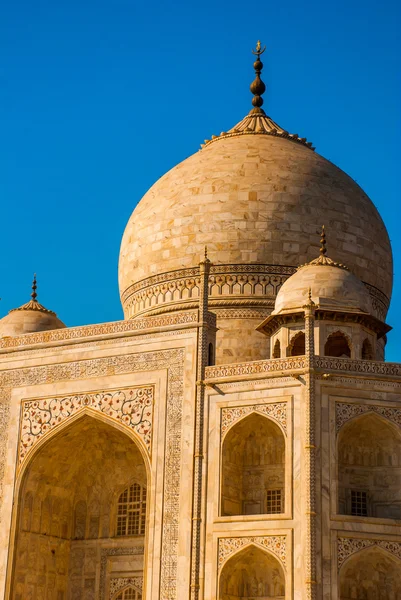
367	350
337	345
277	349
297	345
131	511
129	593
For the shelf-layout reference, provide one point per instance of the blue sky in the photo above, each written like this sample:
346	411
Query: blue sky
98	99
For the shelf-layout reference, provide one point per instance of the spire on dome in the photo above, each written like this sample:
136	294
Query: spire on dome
257	86
33	304
34	288
257	121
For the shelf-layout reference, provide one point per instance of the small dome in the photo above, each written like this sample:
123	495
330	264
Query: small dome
29	318
332	287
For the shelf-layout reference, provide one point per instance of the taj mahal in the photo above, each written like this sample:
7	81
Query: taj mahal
238	435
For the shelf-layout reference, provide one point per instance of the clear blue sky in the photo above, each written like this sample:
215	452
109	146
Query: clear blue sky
98	99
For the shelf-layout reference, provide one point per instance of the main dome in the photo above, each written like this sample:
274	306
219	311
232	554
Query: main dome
255	196
253	199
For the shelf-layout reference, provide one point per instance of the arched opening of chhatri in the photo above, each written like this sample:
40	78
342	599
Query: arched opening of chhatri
253	468
372	574
252	573
81	492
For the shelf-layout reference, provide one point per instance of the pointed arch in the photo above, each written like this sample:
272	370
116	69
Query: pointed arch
296	346
370	572
277	349
369	467
76	468
130	592
253	467
250	573
338	344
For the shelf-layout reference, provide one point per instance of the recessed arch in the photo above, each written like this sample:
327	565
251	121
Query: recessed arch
370	573
277	349
369	467
74	473
252	573
253	467
83	413
296	346
338	344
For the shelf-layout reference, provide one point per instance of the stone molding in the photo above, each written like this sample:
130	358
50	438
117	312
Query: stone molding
173	362
256	367
277	411
132	407
368	367
119	583
276	544
345	412
88	331
348	546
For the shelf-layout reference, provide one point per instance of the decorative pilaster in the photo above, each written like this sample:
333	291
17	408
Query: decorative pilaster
310	450
202	361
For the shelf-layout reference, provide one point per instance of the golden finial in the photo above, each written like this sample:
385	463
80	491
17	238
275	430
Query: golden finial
310	294
205	252
257	86
34	288
323	247
258	50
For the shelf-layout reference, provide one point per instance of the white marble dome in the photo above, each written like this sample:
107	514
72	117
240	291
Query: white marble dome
253	199
331	287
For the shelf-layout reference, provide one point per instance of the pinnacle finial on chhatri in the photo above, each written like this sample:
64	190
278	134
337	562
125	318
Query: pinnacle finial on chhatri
257	86
322	259
34	288
323	245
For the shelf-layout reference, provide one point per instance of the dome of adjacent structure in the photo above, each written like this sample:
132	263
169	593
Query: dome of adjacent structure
253	199
29	318
331	287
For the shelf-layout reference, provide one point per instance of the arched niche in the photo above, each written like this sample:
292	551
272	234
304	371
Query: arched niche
337	345
71	483
297	345
253	468
252	573
369	468
370	574
277	349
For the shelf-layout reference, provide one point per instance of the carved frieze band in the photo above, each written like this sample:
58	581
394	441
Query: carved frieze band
276	544
256	367
277	411
345	412
173	361
119	583
88	331
348	546
132	407
365	367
